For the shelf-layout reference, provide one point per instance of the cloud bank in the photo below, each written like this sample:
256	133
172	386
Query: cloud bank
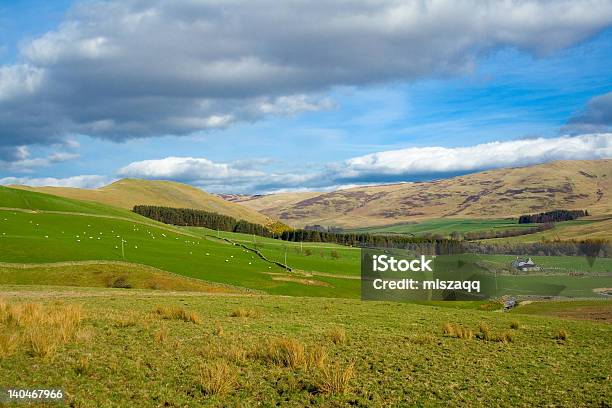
388	166
133	68
84	181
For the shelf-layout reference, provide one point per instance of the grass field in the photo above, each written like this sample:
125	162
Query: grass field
124	346
597	310
63	230
105	274
27	200
586	228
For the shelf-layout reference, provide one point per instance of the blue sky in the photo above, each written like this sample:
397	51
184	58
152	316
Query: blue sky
307	137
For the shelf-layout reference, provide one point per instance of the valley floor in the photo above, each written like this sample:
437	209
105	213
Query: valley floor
154	348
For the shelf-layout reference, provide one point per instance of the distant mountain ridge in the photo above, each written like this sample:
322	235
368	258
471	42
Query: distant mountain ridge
508	192
127	193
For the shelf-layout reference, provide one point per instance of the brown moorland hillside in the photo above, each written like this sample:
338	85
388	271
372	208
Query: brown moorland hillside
509	192
127	193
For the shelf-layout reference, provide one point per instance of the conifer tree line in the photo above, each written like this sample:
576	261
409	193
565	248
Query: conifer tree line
198	218
552	216
423	245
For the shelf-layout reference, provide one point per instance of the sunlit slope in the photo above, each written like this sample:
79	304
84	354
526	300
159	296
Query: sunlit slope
501	193
127	193
35	201
40	237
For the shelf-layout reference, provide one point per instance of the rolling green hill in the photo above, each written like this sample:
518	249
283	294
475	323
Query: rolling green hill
40	228
47	229
34	201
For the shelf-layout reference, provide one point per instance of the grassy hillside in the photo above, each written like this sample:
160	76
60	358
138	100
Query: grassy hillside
104	274
34	237
127	193
70	230
490	194
269	202
197	351
34	201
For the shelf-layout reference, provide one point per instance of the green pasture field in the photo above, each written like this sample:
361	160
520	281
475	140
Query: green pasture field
557	264
48	237
29	200
320	269
124	351
306	256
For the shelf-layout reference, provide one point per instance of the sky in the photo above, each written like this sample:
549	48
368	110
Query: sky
260	96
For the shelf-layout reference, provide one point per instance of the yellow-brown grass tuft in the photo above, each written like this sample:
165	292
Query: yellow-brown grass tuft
178	313
285	352
128	320
336	378
83	365
43	342
217	378
161	334
562	335
455	330
218	330
317	356
515	325
9	342
337	335
40	328
487	334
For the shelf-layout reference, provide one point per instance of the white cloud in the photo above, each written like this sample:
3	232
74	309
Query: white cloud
382	167
132	68
432	160
84	181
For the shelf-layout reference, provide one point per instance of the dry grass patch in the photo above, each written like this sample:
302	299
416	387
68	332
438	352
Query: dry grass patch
317	356
336	379
562	335
161	334
83	365
128	320
178	313
515	325
42	329
488	335
337	335
9	342
218	330
455	330
285	352
217	378
42	342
